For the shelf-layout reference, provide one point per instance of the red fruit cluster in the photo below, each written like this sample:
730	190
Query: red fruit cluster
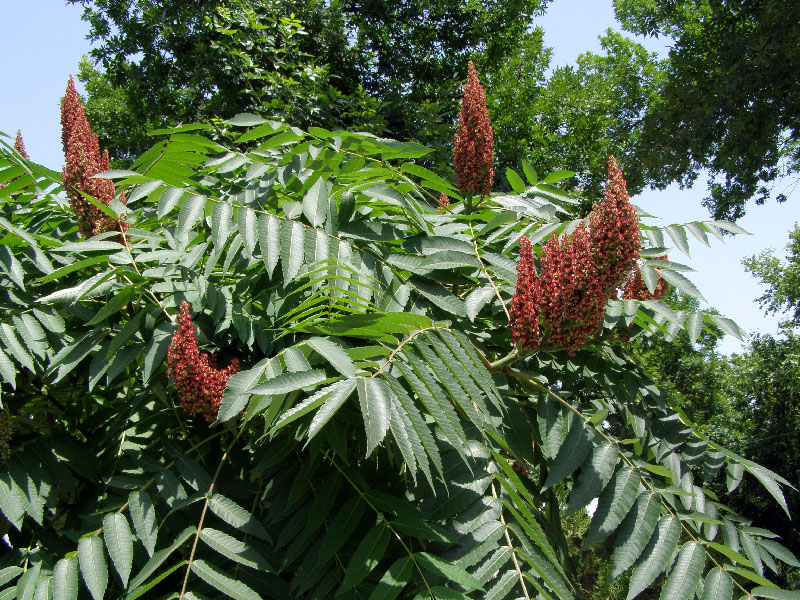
197	379
83	160
19	145
563	303
473	148
636	289
443	201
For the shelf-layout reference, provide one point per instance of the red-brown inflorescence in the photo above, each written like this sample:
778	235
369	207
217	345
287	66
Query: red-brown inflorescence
443	201
525	302
83	160
19	145
614	230
473	148
636	289
197	379
563	304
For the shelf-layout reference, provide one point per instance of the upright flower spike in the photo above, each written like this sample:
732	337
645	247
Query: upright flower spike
197	379
563	305
19	145
524	310
84	160
473	148
614	231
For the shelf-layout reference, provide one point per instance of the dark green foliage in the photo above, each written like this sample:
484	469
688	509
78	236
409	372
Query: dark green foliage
392	67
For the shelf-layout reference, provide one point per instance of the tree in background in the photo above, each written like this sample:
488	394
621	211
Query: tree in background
391	67
578	116
729	101
782	279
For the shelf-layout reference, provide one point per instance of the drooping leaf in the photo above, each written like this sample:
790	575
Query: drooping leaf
595	474
366	557
26	585
219	581
686	573
718	585
572	453
656	555
613	505
144	519
394	580
119	543
93	565
635	531
292	245
269	236
340	392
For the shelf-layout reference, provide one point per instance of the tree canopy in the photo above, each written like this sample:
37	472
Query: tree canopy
729	102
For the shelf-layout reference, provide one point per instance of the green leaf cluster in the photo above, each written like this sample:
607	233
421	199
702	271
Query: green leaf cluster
383	438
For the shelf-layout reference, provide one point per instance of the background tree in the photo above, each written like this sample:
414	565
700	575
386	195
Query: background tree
578	116
782	279
393	68
729	101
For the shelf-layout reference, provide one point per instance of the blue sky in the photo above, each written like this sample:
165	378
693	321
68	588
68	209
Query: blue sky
41	42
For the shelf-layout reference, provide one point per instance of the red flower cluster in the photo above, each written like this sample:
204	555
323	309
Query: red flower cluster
473	150
198	380
19	145
443	201
83	160
563	303
636	289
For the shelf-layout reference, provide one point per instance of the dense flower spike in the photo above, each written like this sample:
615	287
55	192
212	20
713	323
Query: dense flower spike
614	230
197	379
443	201
636	289
579	272
473	148
525	302
83	160
19	145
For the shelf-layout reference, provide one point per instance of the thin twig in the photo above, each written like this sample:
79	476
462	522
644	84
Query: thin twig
511	547
203	514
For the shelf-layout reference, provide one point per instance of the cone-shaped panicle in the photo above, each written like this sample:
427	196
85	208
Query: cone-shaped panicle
636	289
19	145
83	160
563	305
198	381
443	201
525	302
71	111
473	150
615	230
